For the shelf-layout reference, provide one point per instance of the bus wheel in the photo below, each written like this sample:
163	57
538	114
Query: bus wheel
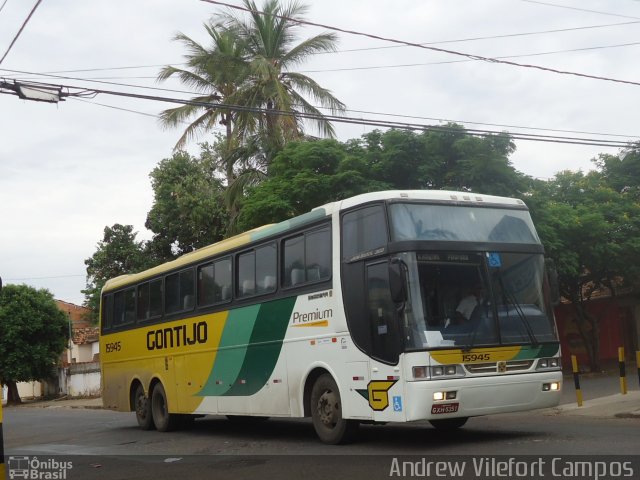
143	411
449	423
163	420
326	412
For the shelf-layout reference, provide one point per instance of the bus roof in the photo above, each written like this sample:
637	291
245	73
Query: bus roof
314	215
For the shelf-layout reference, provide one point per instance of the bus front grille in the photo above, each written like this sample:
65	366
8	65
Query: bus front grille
494	367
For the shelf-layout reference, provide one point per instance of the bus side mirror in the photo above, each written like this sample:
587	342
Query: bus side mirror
397	283
552	278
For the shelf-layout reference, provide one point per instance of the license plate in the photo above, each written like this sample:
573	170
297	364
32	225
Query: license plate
444	408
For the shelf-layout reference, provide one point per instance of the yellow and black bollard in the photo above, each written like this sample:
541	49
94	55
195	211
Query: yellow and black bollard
638	365
2	477
576	379
623	374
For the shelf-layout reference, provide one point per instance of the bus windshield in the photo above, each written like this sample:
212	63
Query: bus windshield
416	221
471	299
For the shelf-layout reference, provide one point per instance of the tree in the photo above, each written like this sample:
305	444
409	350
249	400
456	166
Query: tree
216	72
303	176
307	174
33	335
249	67
593	234
188	210
118	253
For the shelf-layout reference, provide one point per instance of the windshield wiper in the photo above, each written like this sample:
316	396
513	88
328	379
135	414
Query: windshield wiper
518	309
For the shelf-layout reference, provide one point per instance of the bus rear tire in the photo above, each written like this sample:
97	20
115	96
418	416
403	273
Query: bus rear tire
326	413
163	420
449	423
142	406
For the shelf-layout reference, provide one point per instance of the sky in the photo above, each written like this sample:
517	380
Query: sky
67	170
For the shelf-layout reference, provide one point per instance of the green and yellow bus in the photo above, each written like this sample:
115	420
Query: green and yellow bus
393	306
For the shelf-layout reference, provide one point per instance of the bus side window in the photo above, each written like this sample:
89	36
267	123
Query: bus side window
107	312
307	258
143	301
363	230
179	294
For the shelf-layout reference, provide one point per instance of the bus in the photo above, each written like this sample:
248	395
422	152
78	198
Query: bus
348	314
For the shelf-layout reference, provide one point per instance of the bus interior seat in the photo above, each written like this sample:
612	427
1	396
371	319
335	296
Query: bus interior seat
269	283
225	293
297	276
188	302
248	287
313	274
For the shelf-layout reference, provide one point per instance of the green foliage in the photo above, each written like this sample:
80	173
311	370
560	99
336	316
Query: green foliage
305	175
118	253
33	334
592	232
188	211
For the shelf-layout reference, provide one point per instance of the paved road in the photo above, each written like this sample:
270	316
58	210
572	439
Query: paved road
104	444
111	446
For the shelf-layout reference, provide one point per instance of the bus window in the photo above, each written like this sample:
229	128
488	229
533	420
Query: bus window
307	258
266	268
246	274
257	270
107	312
155	298
363	230
124	307
214	282
179	292
143	301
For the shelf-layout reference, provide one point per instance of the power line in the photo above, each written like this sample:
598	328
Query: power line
370	122
3	4
439	119
24	24
508	35
447	62
43	278
426	47
491	37
372	67
579	9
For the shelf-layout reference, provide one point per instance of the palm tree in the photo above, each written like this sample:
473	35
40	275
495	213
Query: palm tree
271	85
216	72
249	66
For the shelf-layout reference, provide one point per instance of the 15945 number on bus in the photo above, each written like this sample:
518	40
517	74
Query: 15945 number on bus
475	357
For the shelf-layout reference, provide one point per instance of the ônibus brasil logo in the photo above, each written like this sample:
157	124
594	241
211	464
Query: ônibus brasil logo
36	469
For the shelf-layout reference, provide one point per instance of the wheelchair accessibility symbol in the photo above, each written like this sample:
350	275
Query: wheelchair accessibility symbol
397	404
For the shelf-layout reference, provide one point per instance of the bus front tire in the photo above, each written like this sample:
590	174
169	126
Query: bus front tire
163	420
449	423
326	412
142	406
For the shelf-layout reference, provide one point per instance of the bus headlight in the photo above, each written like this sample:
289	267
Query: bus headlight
553	363
437	372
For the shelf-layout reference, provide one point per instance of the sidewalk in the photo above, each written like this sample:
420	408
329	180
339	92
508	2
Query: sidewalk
611	406
92	403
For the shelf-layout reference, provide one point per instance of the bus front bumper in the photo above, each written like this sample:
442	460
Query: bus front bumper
475	396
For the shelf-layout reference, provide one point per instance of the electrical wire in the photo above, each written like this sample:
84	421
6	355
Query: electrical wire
426	47
3	4
439	119
578	9
24	24
379	67
369	122
491	37
447	62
